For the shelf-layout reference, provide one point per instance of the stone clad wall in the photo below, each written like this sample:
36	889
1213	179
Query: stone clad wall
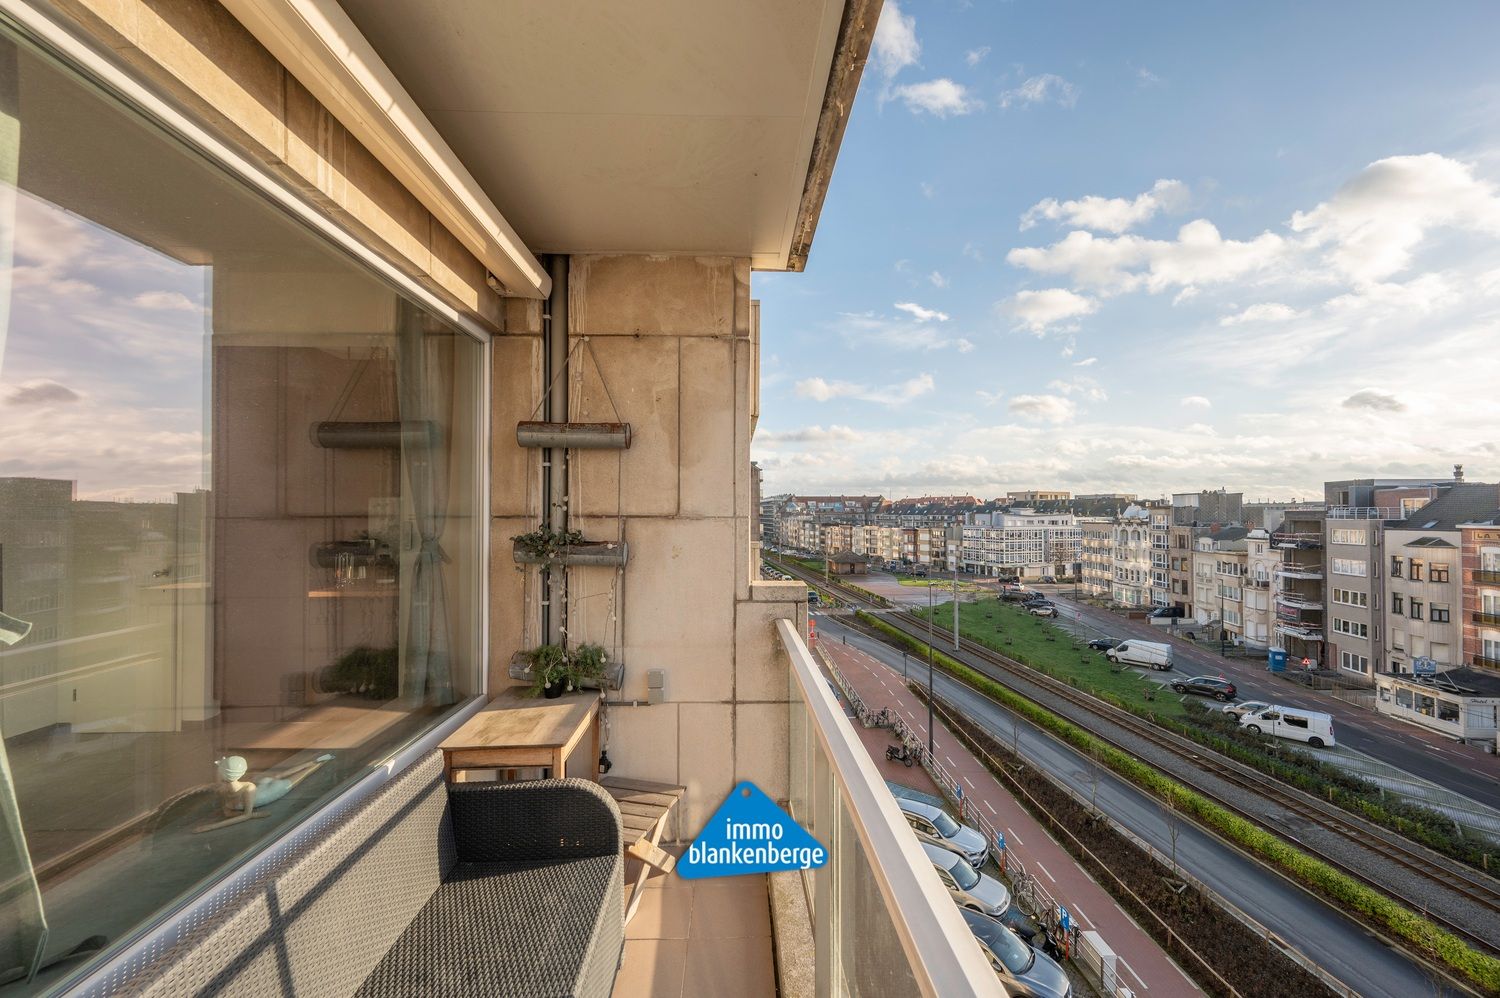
195	52
670	348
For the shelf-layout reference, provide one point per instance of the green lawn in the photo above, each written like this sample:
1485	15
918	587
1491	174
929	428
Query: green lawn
963	587
1043	646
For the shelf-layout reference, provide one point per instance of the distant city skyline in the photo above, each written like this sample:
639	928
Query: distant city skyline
1090	248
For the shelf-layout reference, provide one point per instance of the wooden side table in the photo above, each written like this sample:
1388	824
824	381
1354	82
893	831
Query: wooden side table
514	732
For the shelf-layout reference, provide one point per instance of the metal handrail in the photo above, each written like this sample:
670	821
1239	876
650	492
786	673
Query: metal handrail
1480	617
939	948
1486	575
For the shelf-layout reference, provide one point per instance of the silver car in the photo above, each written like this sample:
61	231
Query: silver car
934	825
970	888
1244	707
1024	970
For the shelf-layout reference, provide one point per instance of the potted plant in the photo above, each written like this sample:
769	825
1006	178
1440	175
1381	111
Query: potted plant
549	667
545	546
363	671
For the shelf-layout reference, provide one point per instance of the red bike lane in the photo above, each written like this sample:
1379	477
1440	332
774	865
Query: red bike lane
1146	967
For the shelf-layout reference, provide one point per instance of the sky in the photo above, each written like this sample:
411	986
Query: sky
1150	249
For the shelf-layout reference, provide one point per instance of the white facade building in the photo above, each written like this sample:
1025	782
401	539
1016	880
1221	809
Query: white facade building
1021	543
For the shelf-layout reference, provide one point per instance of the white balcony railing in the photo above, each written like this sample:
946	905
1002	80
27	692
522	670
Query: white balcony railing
882	921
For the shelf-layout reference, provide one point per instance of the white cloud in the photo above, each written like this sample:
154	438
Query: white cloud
1110	214
895	45
1046	88
975	56
1199	255
1374	401
927	189
1081	386
1038	310
1196	402
168	300
1043	408
822	390
937	279
973	252
989	398
920	313
1372	225
810	434
962	345
940	97
1086	362
1265	312
1146	77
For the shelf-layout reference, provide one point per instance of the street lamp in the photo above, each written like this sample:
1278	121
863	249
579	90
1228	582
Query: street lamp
955	602
931	612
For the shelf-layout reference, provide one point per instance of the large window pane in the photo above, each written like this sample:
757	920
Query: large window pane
238	520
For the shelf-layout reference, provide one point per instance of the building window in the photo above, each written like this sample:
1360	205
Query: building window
1351	662
1416	609
1349	566
261	463
1437	573
1396	563
1346	536
1398	603
1438	613
1415	569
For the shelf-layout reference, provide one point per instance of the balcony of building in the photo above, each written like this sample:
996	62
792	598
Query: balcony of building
1300	631
1364	513
1486	576
1297	601
1305	572
1486	662
1489	619
1297	540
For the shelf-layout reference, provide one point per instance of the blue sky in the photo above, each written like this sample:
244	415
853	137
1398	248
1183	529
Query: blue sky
1121	247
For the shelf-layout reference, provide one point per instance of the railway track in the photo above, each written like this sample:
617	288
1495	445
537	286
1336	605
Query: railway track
1469	888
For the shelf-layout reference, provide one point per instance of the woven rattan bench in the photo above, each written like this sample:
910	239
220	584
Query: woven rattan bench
644	807
428	889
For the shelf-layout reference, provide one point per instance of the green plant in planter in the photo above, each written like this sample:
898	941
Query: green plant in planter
546	544
556	670
364	671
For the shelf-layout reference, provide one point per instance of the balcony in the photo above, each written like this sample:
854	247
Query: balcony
883	922
1489	576
1304	632
1297	602
1310	572
1364	513
1291	541
1485	662
1492	619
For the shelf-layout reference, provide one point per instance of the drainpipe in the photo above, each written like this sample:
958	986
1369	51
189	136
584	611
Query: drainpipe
555	459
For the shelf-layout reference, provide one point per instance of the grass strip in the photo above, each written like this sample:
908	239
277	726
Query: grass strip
1423	935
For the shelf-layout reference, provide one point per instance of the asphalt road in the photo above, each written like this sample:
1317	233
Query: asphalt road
1341	946
1462	769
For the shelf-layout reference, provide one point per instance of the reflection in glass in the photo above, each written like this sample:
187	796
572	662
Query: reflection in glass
238	521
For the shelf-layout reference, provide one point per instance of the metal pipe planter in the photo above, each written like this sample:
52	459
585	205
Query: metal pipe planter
575	436
614	673
603	554
375	435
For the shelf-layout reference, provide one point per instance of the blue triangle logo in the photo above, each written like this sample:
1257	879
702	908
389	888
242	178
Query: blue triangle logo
750	834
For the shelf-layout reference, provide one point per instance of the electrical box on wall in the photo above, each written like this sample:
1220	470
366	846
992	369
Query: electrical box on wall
656	686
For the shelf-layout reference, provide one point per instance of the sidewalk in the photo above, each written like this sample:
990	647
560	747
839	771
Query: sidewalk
1150	971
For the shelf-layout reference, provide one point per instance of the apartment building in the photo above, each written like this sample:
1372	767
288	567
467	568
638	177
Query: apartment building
1096	537
1219	568
1131	553
1182	541
1027	497
1425	579
354	253
1021	544
1259	608
1480	557
1207	507
1161	525
1299	587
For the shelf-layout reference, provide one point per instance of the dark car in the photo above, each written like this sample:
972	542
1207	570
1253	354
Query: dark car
1207	686
1023	969
1103	644
1167	612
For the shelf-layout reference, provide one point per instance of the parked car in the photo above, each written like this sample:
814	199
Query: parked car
1134	651
1311	726
937	827
1244	707
1023	969
1050	579
1207	686
1167	612
970	888
1103	644
812	598
1042	608
1015	594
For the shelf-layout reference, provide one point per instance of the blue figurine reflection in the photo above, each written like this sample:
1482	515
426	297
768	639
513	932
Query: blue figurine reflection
239	797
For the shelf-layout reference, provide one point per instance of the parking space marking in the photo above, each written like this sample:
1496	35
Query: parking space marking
951	763
1050	877
1079	912
971	785
992	808
1011	834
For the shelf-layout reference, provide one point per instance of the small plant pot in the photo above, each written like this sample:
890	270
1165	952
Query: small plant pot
553	692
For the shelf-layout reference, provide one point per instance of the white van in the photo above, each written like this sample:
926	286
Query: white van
1153	654
1311	726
